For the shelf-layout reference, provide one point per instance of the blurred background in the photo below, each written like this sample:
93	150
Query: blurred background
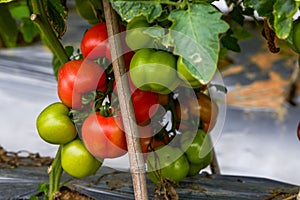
257	133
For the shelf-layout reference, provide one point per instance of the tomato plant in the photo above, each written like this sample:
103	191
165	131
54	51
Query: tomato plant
77	77
174	41
104	136
54	125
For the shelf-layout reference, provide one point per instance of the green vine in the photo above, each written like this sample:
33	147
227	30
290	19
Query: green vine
55	172
39	17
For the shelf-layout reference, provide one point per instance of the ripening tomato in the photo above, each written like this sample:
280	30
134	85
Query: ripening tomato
205	108
104	136
77	77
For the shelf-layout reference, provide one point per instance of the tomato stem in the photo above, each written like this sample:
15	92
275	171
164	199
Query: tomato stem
55	173
40	18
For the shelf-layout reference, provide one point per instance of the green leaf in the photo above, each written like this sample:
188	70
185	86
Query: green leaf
130	9
237	14
230	43
195	33
29	30
284	10
263	7
8	27
241	33
57	13
19	9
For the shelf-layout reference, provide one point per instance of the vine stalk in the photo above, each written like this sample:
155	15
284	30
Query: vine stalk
40	18
55	171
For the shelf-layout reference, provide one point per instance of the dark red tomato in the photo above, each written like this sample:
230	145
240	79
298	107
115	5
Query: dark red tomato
205	108
94	43
104	136
148	141
145	103
77	77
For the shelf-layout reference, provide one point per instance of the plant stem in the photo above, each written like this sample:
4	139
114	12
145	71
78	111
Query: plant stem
55	172
40	18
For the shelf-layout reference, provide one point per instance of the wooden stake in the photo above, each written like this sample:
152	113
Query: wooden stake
137	166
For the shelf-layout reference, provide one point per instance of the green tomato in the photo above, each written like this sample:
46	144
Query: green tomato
168	163
296	35
135	37
77	161
154	71
54	125
188	79
197	147
194	169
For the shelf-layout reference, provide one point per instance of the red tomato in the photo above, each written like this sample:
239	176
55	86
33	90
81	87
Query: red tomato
145	104
94	43
104	136
77	77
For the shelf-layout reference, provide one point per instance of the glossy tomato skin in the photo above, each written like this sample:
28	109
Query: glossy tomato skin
104	136
167	162
54	125
94	43
145	104
77	77
77	161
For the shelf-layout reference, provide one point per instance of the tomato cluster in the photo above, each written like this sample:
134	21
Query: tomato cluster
88	123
